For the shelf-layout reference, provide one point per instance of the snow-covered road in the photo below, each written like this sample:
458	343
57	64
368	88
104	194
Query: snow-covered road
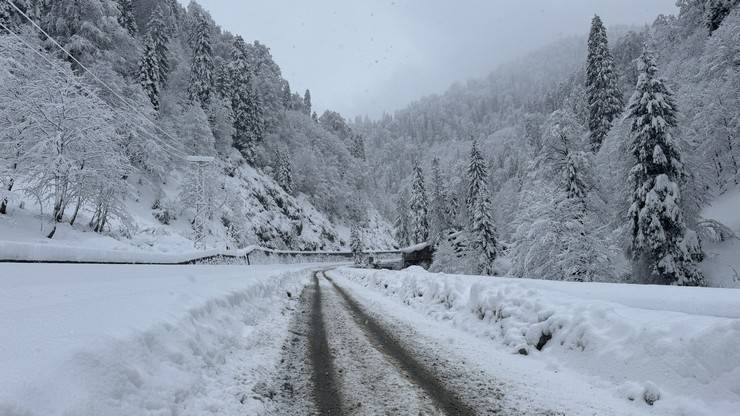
292	340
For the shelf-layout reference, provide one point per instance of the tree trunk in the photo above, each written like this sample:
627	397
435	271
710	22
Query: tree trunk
4	202
53	231
77	211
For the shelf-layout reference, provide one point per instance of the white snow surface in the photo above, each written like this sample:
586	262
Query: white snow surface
642	343
140	340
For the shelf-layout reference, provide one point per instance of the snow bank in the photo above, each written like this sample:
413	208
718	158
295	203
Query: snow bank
672	349
140	340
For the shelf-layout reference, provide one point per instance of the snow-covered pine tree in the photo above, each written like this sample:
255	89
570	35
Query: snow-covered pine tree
716	11
149	72
201	69
438	215
284	171
605	99
307	102
402	224
357	148
356	244
286	96
663	249
483	244
248	118
419	207
158	30
126	17
477	176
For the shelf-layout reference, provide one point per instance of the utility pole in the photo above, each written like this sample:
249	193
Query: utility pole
199	222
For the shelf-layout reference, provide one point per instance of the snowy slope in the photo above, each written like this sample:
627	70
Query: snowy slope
252	210
140	340
674	346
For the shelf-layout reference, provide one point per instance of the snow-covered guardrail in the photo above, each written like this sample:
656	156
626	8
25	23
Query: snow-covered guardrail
15	252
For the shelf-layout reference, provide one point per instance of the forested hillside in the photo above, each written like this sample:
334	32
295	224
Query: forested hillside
602	158
102	103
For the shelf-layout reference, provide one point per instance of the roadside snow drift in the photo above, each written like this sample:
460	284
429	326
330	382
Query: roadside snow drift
140	340
669	349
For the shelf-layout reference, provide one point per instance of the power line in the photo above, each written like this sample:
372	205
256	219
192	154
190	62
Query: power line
123	100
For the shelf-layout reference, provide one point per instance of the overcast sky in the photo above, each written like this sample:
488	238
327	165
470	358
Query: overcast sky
369	56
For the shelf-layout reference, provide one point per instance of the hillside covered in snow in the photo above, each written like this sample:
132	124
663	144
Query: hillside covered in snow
98	133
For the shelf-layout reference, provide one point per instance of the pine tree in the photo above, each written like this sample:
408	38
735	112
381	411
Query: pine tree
482	230
248	117
717	11
356	244
159	32
126	18
604	97
419	207
307	102
402	224
358	147
476	175
439	220
663	249
201	69
284	171
286	96
149	72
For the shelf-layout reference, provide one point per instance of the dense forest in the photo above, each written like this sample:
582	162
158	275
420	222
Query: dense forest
590	160
103	102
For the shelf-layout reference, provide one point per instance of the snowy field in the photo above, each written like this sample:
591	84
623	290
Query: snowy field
140	340
660	350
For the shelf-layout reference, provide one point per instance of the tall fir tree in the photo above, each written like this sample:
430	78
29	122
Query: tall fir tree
356	244
438	216
663	249
201	69
357	148
307	102
159	32
482	231
248	118
149	72
126	17
605	100
402	223
419	207
477	174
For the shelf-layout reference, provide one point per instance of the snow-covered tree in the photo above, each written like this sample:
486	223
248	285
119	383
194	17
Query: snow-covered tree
307	102
439	222
357	147
63	138
149	72
604	96
284	171
126	16
201	69
356	244
419	207
159	32
482	231
249	125
663	249
402	223
716	11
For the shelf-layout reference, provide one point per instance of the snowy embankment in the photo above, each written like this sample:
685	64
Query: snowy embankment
140	340
669	350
